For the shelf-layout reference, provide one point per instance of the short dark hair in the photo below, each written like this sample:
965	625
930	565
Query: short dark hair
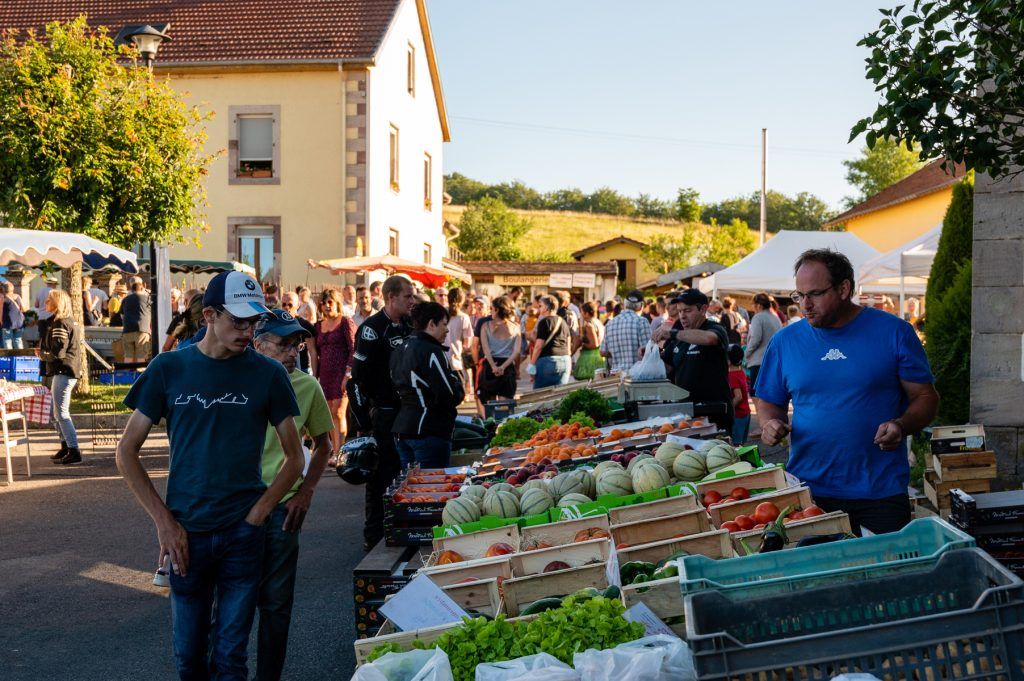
588	308
837	264
424	313
393	286
763	300
515	289
375	286
550	302
735	353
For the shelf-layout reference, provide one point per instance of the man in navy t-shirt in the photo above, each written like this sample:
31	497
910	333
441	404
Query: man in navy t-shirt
860	384
217	397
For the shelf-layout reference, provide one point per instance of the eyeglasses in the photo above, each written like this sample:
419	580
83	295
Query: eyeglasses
797	296
287	304
240	324
288	347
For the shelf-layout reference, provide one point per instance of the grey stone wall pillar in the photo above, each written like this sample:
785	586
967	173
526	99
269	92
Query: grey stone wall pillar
997	320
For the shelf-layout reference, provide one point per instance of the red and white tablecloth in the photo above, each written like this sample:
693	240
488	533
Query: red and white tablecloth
38	400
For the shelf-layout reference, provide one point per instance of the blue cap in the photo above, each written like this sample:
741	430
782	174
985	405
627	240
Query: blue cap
280	323
236	292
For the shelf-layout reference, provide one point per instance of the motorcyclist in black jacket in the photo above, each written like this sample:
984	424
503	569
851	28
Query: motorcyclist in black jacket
430	392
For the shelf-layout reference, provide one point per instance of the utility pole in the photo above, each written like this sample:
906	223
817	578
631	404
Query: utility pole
764	161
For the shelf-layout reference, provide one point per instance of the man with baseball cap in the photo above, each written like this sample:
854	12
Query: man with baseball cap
698	353
281	337
217	397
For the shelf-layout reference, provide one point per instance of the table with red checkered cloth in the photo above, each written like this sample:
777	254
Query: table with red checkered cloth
38	400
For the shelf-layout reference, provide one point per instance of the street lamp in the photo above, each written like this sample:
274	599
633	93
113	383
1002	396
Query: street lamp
146	40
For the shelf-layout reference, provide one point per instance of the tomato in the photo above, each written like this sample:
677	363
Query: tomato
812	511
796	515
711	497
760	526
745	522
730	526
740	493
766	512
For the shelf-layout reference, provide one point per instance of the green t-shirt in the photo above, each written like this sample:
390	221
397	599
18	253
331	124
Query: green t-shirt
314	418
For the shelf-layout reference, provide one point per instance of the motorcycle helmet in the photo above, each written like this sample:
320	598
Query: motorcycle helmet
358	460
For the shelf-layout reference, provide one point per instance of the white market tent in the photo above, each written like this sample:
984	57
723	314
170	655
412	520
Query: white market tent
770	268
904	269
33	247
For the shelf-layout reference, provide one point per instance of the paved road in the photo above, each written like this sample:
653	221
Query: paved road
76	559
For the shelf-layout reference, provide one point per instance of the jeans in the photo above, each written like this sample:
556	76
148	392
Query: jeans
740	428
888	514
61	388
753	378
429	451
552	370
229	561
277	592
12	339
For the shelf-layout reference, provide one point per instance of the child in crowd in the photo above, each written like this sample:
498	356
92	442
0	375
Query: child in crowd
740	396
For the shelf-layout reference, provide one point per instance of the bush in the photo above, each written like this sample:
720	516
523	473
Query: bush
955	243
948	344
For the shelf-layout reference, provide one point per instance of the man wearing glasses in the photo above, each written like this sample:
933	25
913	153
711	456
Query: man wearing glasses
860	384
281	337
218	397
307	355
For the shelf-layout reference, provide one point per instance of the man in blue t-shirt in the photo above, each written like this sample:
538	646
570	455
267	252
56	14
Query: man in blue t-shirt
860	384
217	397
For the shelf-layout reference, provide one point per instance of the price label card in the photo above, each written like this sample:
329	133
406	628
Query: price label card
421	604
645	616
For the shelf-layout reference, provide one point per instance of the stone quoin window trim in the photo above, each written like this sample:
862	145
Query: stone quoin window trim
237	122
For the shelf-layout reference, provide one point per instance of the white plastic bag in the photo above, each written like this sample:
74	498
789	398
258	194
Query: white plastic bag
539	667
647	659
650	367
414	665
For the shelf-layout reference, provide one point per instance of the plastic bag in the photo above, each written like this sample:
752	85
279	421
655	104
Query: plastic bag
647	659
539	667
415	665
650	367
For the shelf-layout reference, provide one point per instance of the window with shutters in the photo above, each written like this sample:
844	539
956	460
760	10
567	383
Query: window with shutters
254	147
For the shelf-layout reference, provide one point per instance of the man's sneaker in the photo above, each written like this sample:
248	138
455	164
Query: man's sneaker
162	579
61	453
73	456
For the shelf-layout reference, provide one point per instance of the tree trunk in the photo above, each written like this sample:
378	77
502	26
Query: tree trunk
72	283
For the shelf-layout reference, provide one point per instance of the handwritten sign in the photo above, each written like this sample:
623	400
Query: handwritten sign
421	604
645	616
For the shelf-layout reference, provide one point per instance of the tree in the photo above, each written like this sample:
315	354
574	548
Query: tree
955	242
607	200
884	165
688	206
462	189
948	345
947	70
805	211
571	198
669	252
95	145
652	207
729	243
516	194
489	230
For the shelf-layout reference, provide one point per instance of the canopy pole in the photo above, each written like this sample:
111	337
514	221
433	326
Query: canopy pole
902	287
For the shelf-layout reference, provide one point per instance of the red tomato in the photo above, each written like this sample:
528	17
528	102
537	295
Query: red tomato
740	493
812	511
766	512
711	497
730	526
759	526
745	522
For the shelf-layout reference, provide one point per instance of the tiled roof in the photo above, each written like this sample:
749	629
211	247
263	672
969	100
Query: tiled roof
927	180
621	239
515	267
205	31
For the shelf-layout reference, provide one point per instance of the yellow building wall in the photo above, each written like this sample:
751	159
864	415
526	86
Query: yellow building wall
310	198
891	227
622	251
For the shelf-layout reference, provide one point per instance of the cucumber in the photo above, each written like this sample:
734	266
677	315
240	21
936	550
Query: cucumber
540	605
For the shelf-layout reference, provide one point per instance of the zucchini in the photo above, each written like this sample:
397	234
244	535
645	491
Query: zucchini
540	605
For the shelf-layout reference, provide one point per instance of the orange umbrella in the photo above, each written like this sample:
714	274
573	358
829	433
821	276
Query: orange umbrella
429	276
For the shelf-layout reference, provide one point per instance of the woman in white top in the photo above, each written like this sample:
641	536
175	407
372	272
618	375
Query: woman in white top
460	337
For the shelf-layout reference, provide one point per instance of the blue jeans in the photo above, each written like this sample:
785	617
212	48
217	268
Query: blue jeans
740	428
61	388
277	592
12	339
552	370
229	561
428	451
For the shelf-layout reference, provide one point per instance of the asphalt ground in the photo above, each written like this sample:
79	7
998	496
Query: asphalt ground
77	555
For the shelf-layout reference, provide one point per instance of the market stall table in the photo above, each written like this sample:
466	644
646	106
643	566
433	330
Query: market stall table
24	402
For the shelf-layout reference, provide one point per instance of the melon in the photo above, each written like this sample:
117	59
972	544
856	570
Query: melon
719	457
614	482
501	487
606	465
636	461
534	501
738	468
565	483
475	491
708	444
689	466
666	454
533	484
649	477
573	499
460	510
589	483
502	504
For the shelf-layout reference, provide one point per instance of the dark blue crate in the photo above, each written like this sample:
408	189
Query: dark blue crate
6	363
26	365
119	377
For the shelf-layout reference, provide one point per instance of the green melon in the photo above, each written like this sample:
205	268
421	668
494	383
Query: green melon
460	510
689	466
502	504
666	454
565	483
475	491
606	465
573	499
649	477
708	444
643	456
534	501
533	484
589	483
719	457
502	487
614	482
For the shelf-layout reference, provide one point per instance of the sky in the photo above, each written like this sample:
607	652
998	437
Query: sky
652	95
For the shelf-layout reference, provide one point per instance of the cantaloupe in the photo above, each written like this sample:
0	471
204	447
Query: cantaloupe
635	461
501	504
502	487
614	482
666	454
572	499
606	465
460	510
475	491
589	483
533	484
534	501
565	483
689	466
718	457
649	477
708	444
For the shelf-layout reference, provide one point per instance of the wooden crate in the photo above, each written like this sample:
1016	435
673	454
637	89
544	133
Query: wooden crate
562	532
484	568
521	591
774	477
794	496
662	596
713	544
576	555
969	466
481	595
653	509
938	491
659	529
473	545
403	639
828	523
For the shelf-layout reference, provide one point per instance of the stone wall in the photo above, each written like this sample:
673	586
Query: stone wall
997	349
